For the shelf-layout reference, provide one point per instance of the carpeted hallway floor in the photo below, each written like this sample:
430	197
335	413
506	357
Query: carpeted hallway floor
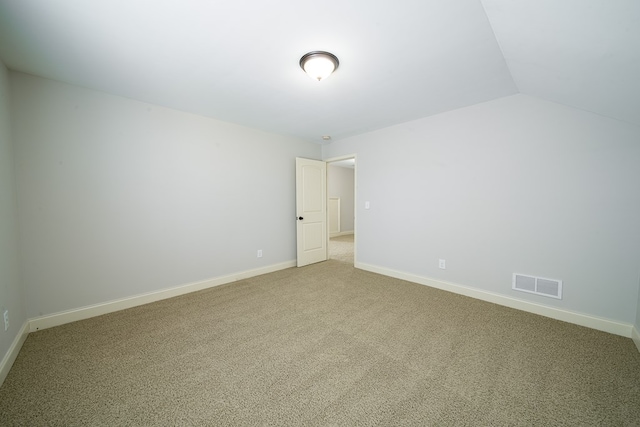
341	248
322	345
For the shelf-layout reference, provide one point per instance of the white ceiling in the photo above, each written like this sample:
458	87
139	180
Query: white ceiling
399	61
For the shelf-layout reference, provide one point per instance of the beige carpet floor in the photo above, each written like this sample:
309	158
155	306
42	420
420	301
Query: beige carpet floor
341	248
323	345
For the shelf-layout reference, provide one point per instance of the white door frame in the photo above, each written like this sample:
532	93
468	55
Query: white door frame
355	199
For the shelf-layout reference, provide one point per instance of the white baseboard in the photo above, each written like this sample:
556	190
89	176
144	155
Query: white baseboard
635	335
601	324
341	233
10	357
82	313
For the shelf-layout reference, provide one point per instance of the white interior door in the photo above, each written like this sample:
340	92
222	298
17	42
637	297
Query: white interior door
311	210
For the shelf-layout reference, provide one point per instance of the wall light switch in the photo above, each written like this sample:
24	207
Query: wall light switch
442	264
367	205
259	253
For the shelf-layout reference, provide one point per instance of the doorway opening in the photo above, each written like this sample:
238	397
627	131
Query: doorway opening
341	215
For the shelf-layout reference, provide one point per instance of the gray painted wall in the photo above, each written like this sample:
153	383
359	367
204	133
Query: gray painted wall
341	185
637	324
120	198
512	185
11	293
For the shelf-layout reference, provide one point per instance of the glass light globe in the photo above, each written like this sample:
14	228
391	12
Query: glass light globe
319	65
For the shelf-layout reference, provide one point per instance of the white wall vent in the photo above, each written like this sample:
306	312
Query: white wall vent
537	285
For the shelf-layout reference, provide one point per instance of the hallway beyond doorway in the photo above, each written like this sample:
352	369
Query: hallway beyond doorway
341	248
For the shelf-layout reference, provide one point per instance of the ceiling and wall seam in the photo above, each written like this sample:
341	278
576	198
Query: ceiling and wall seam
506	64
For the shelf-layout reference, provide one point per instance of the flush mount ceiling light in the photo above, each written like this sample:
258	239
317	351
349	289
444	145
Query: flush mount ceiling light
318	64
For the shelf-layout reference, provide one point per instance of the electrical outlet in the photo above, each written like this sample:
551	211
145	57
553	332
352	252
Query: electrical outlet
259	253
6	320
442	264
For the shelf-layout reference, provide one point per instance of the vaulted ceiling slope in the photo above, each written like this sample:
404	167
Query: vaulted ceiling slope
399	61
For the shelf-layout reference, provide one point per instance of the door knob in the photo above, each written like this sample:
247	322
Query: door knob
300	218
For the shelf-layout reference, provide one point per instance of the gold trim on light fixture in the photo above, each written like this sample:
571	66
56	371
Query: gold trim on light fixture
319	64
